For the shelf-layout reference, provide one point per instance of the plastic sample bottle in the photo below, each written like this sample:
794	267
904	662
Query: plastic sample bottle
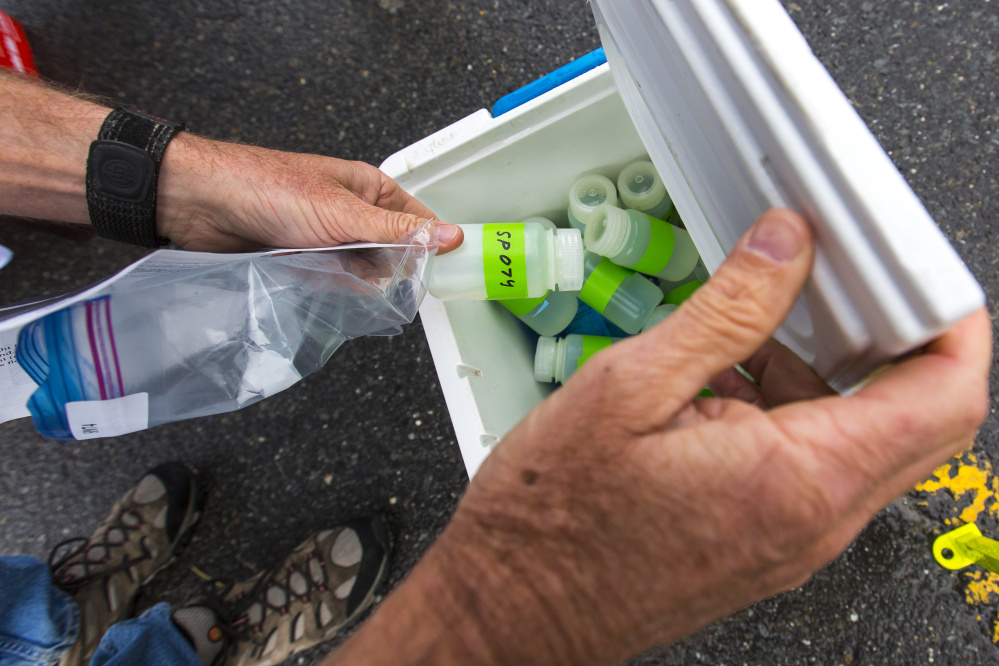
621	295
701	271
682	293
640	187
549	314
646	244
585	195
557	358
546	315
658	315
514	260
590	322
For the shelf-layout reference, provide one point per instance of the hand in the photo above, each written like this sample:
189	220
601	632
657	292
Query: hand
229	197
623	512
211	196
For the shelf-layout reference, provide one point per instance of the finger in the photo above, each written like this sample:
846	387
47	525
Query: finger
378	225
838	534
915	411
396	212
393	197
783	376
724	321
731	384
449	236
397	199
862	481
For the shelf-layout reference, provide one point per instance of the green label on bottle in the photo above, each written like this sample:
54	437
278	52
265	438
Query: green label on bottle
504	261
591	345
683	292
521	306
660	249
602	283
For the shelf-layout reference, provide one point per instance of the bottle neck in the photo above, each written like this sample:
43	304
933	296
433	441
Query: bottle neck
560	351
609	232
551	275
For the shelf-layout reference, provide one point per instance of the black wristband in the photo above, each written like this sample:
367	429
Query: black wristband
122	171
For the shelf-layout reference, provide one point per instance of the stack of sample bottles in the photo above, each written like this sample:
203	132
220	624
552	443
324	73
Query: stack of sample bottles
639	264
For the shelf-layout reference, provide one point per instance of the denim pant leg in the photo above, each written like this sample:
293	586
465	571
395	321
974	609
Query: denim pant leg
151	640
38	622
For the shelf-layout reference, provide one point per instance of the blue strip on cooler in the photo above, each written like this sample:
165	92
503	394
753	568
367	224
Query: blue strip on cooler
549	81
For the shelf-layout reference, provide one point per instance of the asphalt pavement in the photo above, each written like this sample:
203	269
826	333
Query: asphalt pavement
360	79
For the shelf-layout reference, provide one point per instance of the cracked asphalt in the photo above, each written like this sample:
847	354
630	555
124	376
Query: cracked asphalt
360	79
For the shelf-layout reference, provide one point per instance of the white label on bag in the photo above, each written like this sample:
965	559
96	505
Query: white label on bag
89	419
16	386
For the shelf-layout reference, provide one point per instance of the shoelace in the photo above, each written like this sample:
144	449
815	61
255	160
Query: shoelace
233	616
71	584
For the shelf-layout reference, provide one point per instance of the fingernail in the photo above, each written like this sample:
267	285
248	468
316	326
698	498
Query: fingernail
446	233
777	238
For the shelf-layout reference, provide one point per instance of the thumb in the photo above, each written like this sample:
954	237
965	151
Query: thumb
736	311
387	226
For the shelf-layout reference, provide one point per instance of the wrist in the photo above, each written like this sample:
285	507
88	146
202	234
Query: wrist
507	608
517	564
193	192
499	587
456	608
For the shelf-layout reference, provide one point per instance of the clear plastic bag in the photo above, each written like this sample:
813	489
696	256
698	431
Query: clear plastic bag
182	334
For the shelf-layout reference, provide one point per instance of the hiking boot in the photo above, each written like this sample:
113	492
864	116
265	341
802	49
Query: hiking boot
324	584
142	534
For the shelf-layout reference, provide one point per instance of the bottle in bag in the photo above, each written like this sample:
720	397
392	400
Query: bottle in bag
508	261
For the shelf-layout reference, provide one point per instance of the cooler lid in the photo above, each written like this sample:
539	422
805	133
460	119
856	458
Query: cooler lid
739	116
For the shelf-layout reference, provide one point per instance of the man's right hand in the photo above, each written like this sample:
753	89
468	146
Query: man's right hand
624	512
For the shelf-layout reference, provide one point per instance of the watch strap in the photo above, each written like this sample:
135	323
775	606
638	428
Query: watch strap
122	172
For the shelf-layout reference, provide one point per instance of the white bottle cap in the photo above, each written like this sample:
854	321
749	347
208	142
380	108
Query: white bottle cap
589	192
659	314
544	360
607	231
640	186
569	256
543	221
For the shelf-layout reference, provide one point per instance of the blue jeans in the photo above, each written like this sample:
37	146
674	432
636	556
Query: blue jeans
38	623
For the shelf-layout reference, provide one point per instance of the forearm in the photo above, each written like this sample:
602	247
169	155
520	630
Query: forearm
419	623
45	137
456	612
501	586
211	196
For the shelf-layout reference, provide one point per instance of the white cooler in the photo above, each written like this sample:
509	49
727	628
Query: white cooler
738	115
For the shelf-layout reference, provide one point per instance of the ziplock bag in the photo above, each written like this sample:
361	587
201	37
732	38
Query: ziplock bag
184	334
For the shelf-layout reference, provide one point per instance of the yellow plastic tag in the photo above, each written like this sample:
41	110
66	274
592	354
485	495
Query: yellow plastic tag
966	545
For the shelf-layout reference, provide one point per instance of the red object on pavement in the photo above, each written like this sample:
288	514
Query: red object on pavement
14	50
